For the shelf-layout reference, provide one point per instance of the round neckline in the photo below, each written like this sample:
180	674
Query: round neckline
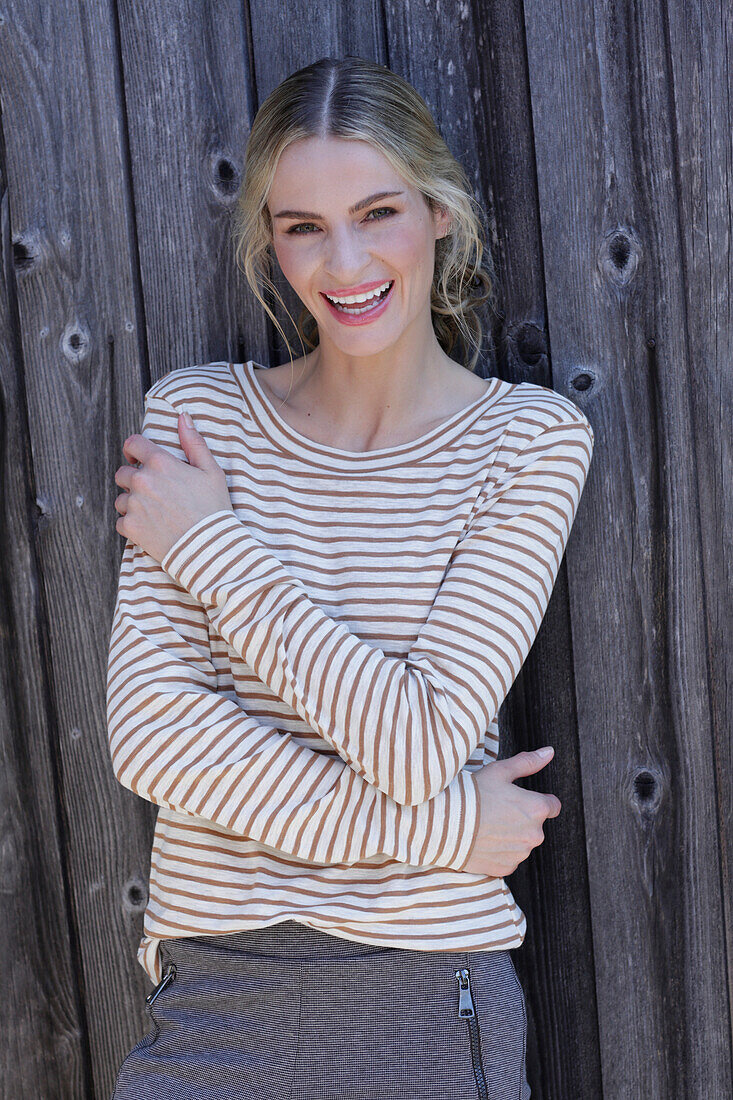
298	445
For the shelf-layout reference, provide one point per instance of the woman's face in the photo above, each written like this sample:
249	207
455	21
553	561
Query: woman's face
345	224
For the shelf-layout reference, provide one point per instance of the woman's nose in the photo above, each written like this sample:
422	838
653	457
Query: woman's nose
346	258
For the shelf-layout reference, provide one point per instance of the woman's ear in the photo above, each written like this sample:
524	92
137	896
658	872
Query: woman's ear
443	223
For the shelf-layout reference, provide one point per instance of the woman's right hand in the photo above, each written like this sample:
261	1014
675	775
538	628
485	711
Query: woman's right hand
510	818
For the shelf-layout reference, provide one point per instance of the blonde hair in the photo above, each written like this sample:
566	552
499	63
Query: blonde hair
357	99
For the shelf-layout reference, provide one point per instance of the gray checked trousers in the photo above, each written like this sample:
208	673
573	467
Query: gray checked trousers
289	1012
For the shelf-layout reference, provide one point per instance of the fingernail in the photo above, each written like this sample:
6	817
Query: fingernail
544	752
187	420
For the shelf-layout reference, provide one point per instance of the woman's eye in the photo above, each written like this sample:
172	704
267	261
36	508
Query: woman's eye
301	225
382	210
386	211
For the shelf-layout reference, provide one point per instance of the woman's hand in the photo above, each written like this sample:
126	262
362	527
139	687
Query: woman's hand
510	818
164	495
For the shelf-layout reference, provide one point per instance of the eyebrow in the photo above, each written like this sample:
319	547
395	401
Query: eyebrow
352	210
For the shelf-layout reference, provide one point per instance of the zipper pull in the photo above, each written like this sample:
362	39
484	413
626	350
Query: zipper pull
168	975
465	1000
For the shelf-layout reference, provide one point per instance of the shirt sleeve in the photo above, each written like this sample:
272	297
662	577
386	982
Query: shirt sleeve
408	725
178	742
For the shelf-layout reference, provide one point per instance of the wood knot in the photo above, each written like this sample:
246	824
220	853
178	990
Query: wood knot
134	895
225	178
530	344
582	381
620	255
647	787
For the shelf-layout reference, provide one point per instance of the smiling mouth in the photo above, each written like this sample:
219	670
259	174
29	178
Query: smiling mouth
364	302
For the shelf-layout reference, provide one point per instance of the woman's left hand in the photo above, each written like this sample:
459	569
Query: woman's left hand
164	495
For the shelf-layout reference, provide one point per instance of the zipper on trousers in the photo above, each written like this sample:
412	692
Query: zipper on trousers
467	1010
168	975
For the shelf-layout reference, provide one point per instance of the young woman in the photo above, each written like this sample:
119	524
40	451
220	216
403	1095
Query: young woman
333	573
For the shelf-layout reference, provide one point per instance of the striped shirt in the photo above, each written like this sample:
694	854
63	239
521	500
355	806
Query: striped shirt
305	683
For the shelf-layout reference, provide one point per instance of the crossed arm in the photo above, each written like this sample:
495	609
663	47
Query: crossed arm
403	727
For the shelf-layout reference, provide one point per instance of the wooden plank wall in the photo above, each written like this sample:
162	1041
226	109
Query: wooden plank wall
598	140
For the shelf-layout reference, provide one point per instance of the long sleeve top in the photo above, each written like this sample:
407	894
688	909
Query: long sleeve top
305	683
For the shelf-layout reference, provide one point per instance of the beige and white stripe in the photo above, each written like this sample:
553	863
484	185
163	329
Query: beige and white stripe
305	684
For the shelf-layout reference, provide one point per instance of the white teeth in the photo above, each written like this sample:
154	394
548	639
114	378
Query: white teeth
355	299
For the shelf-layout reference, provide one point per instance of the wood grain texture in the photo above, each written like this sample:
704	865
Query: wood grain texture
598	142
616	122
43	1017
73	358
